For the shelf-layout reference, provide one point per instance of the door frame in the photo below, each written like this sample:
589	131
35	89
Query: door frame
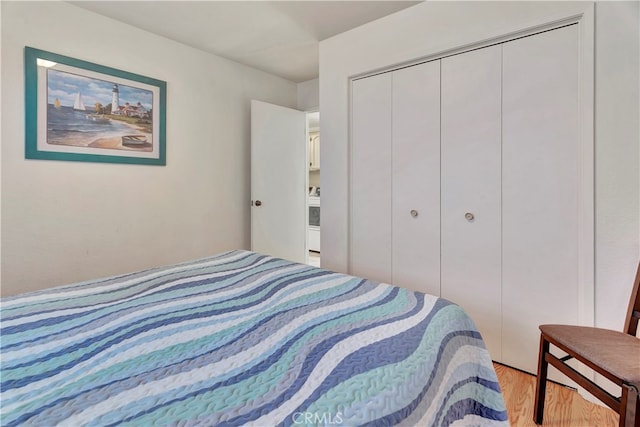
306	200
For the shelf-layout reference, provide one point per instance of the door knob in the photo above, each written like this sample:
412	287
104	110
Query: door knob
413	213
469	216
258	203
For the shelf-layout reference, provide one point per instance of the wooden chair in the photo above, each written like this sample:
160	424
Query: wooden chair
613	354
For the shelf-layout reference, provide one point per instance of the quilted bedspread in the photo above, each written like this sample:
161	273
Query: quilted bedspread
242	339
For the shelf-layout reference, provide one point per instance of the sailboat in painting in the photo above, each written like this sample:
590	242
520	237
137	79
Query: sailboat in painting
78	104
56	103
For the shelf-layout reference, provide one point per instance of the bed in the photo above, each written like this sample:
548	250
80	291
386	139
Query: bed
242	338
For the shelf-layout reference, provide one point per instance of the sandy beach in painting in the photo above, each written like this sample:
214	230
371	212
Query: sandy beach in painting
116	143
79	131
113	142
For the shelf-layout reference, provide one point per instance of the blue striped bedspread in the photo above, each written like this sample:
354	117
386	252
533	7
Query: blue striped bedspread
242	339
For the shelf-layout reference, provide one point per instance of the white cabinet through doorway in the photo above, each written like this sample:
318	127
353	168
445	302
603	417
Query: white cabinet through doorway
314	151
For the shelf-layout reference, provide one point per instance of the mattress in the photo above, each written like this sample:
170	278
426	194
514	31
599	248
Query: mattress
242	338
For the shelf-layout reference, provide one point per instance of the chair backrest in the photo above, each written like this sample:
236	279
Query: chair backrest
633	313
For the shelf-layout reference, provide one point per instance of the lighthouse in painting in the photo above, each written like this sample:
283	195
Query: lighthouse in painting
115	99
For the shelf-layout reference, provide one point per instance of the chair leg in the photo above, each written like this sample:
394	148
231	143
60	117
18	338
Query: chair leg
541	382
629	406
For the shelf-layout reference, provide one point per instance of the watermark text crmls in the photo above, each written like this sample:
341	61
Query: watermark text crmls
317	418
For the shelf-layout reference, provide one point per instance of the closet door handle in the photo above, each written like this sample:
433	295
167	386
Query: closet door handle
469	216
413	213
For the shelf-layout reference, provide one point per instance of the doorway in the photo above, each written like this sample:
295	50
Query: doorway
313	202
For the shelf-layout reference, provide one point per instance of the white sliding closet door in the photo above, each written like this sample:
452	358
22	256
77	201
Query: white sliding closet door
471	181
371	178
541	188
416	178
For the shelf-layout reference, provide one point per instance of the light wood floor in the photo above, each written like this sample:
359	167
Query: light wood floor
564	407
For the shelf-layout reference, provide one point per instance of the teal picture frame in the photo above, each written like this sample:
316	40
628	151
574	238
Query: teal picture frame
125	121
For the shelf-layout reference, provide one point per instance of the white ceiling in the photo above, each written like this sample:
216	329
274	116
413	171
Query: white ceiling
279	37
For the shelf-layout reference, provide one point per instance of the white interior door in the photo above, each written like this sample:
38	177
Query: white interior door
471	215
541	189
371	178
415	162
278	181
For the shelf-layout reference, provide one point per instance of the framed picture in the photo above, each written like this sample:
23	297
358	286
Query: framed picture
80	111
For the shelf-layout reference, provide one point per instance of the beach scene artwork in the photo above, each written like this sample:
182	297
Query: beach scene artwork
89	112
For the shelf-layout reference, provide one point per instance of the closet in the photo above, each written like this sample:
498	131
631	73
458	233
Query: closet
465	183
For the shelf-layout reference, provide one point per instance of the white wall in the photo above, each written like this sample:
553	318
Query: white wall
69	221
432	27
